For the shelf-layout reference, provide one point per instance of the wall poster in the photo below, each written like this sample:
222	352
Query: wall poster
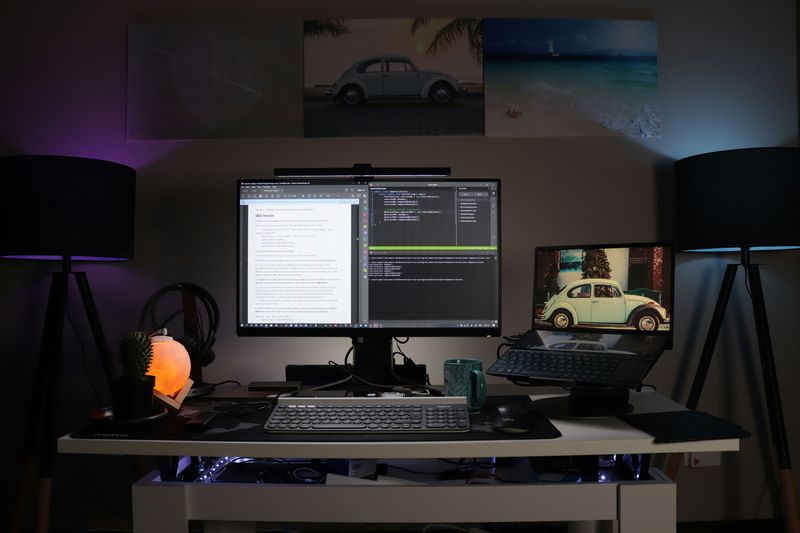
393	77
554	77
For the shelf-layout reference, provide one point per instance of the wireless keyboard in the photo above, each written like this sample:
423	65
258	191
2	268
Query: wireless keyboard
438	414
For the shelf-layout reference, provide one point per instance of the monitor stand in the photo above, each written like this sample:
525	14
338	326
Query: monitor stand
373	362
585	401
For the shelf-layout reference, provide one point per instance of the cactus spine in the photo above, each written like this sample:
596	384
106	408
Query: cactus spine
136	351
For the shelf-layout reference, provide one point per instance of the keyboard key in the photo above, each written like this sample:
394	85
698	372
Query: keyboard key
548	363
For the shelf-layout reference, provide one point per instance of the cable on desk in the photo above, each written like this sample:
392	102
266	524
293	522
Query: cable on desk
419	389
412	387
347	355
324	385
522	381
420	472
82	347
393	387
488	475
499	346
351	375
511	340
508	340
371	383
462	470
308	475
247	408
410	362
225	382
475	462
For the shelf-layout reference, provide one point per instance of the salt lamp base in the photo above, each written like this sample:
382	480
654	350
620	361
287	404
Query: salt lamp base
174	402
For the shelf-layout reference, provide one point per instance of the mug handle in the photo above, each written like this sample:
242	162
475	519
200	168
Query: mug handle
479	385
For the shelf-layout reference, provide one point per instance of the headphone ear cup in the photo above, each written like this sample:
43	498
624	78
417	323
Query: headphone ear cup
208	357
197	354
193	346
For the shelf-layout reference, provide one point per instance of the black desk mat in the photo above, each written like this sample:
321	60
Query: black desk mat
685	425
242	421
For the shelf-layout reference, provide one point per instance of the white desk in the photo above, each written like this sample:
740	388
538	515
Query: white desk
636	505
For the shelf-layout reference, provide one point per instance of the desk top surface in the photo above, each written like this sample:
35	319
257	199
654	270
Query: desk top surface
578	437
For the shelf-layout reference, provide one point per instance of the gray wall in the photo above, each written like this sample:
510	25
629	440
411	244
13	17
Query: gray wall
727	80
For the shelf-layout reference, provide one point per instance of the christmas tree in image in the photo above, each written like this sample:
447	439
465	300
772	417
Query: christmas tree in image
596	265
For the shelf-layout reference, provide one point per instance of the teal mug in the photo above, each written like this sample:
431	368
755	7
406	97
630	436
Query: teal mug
464	377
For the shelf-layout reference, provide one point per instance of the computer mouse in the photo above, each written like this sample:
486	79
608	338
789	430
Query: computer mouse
512	418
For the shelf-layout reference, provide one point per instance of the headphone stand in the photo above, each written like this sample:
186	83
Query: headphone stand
199	387
199	348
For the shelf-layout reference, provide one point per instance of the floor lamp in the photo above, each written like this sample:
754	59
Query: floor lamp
743	201
64	209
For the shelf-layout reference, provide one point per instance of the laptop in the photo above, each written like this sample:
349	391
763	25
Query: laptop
601	316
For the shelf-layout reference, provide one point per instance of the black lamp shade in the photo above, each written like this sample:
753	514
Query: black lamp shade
738	199
61	206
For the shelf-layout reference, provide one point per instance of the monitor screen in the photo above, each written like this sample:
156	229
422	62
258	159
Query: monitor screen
615	288
372	255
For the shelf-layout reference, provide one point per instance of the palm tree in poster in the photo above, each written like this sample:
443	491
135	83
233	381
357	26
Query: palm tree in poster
324	28
451	32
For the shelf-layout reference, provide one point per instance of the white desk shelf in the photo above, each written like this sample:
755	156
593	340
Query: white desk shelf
635	505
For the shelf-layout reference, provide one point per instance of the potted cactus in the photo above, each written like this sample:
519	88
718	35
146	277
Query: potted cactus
133	391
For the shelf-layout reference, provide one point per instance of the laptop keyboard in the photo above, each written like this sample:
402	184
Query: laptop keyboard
591	367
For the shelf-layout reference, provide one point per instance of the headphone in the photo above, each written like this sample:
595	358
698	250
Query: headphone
196	343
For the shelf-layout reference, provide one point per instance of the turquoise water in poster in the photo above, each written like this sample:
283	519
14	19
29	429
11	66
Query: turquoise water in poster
620	93
571	77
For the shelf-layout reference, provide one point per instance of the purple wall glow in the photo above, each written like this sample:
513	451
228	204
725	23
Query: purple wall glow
727	79
64	88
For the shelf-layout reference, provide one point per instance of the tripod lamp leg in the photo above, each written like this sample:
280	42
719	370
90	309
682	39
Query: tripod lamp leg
705	357
791	517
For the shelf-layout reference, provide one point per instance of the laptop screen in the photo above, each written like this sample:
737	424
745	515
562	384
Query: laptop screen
604	289
595	343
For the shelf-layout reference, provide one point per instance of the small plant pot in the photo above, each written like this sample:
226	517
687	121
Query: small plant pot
133	398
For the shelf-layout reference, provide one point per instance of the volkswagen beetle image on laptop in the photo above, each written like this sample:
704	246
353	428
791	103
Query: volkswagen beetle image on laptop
602	301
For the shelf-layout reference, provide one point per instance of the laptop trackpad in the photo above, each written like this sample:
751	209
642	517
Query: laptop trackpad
630	372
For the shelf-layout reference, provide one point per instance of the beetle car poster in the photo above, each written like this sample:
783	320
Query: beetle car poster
390	77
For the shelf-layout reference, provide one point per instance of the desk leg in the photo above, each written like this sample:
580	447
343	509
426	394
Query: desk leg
648	506
166	508
159	508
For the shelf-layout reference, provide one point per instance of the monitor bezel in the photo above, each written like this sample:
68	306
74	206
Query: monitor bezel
347	176
668	333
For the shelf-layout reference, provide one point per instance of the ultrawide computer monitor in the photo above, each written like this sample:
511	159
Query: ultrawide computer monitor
369	255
